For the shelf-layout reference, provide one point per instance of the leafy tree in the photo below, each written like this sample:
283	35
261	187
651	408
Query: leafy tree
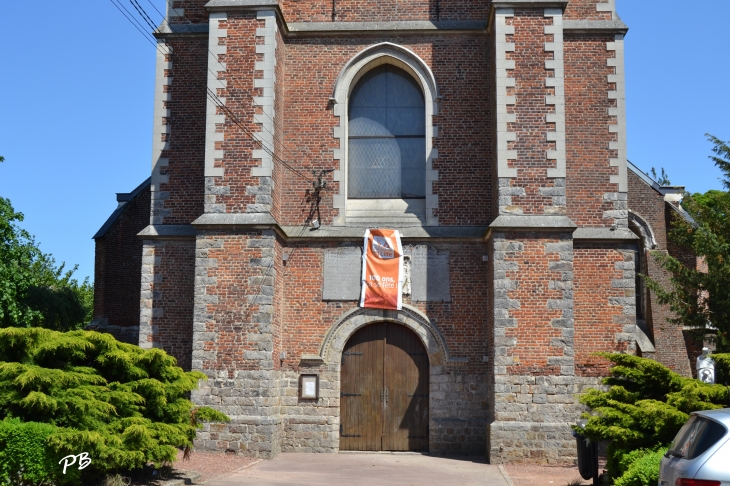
663	180
34	290
124	405
700	298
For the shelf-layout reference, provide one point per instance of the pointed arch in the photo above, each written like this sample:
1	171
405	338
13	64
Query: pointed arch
353	70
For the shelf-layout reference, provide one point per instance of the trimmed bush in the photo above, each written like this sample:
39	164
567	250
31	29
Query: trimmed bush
123	405
26	458
642	468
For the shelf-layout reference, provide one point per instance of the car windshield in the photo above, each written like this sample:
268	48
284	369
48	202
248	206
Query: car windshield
697	435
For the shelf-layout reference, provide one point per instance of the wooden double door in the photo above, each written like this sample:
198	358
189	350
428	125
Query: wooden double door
384	390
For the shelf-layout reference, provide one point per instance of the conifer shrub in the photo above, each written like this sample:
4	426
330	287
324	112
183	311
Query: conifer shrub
643	408
123	405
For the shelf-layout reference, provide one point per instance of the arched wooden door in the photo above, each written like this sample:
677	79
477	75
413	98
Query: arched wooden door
384	391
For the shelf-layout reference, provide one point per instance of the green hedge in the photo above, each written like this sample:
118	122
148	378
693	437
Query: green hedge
641	468
26	458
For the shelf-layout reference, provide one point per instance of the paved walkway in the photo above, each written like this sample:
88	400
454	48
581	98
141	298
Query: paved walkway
366	469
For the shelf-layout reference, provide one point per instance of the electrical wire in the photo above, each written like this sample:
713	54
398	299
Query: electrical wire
245	91
143	14
235	120
153	6
133	22
219	103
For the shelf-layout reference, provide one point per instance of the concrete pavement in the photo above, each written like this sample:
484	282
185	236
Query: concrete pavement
366	469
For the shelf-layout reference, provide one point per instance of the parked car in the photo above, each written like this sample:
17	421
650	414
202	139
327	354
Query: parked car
700	453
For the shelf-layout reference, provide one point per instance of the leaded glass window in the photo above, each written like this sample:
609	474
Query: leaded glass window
387	136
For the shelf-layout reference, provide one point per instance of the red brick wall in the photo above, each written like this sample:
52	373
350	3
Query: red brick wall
585	10
597	321
387	10
648	203
383	11
534	329
279	123
671	349
194	11
307	318
464	142
586	124
530	109
118	265
232	317
240	58
174	331
187	134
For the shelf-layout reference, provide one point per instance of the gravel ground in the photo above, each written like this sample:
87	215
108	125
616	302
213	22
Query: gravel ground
533	475
213	465
216	466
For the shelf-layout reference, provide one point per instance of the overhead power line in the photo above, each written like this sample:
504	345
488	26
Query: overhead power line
245	91
214	97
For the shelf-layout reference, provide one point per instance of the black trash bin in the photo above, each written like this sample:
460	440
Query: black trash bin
587	456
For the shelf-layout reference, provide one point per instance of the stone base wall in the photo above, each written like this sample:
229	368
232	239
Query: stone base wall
309	425
268	417
458	411
251	399
535	426
126	334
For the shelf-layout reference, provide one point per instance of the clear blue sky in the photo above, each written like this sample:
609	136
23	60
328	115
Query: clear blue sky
77	84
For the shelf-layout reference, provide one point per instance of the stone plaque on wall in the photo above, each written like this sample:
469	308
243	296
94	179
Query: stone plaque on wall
342	273
430	275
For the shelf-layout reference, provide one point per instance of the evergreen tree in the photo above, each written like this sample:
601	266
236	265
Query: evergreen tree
124	405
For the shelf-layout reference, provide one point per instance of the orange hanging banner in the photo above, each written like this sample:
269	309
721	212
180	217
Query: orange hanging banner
382	270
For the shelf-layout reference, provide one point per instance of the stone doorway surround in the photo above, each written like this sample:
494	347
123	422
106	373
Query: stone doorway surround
307	430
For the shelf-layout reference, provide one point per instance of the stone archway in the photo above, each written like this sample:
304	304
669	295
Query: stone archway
335	339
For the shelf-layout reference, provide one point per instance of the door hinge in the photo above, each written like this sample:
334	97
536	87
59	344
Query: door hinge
342	394
348	435
349	353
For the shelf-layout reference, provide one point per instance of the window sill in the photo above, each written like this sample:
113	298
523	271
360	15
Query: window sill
401	212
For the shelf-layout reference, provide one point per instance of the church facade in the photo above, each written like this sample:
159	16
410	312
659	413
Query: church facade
490	134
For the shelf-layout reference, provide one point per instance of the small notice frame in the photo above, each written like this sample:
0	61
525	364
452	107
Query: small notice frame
309	387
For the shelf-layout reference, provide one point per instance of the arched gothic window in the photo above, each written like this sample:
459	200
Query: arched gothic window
386	136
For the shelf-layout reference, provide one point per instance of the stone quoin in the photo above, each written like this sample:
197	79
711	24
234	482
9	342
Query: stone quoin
490	134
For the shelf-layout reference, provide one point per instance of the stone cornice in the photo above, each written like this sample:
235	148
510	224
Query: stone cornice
166	30
167	232
594	27
561	4
400	27
532	223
